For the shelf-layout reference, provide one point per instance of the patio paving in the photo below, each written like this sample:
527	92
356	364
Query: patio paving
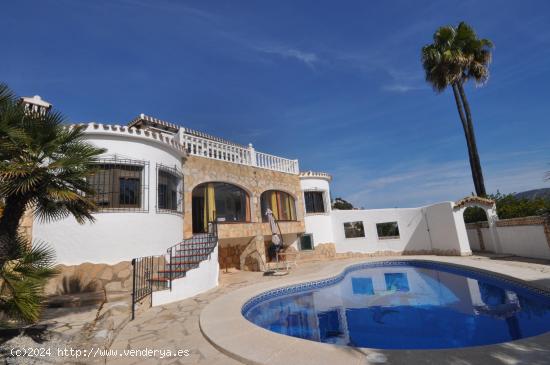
176	326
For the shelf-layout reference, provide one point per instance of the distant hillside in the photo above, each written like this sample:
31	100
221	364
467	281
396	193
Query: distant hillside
532	194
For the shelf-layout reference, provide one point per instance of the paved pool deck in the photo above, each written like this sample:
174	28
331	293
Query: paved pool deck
211	327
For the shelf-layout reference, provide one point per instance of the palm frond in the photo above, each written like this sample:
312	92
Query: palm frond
456	54
45	162
22	281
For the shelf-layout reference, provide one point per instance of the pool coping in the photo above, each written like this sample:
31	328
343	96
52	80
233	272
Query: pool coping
223	325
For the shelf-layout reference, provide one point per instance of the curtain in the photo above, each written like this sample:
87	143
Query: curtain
209	205
290	207
274	206
247	206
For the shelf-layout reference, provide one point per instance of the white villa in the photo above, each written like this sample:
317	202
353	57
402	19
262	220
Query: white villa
160	184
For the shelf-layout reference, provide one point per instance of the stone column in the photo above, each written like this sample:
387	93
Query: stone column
256	250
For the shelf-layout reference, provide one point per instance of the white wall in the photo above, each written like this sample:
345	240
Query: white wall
435	228
526	241
114	237
412	230
319	224
447	229
119	236
196	281
317	184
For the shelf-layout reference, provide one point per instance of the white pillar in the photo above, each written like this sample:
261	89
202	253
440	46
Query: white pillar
492	219
253	161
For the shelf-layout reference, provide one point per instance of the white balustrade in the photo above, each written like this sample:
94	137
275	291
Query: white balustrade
204	147
216	149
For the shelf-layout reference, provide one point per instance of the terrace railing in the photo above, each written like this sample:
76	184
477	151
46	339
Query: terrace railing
222	150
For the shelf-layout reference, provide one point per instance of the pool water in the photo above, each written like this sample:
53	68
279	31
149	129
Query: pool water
406	305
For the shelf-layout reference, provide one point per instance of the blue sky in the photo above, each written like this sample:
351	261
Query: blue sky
338	85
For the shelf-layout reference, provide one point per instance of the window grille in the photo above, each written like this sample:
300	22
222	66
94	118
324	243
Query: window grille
169	189
121	185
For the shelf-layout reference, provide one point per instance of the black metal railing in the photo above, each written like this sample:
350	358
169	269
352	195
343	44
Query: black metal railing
154	273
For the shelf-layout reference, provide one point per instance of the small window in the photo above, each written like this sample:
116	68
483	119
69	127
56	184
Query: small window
387	230
306	242
169	188
354	229
315	202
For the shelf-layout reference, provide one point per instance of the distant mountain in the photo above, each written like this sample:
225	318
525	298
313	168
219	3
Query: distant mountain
532	194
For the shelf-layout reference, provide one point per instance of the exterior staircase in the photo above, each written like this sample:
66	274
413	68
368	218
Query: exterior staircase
157	273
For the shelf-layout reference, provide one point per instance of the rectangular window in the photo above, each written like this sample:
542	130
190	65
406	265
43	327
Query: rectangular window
315	202
354	229
169	189
118	186
387	230
306	242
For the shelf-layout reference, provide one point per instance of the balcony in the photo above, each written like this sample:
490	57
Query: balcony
203	145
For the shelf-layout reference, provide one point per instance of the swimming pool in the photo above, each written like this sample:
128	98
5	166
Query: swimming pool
404	305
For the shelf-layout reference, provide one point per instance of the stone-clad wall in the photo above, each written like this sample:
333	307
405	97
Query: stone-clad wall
249	237
254	180
88	277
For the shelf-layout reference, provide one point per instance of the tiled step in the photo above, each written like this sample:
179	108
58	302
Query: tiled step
187	249
189	259
187	256
202	254
173	270
192	259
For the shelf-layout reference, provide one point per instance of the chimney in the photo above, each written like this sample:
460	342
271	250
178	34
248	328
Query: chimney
35	104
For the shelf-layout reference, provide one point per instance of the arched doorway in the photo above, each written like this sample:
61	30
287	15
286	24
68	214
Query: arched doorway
476	221
218	201
480	214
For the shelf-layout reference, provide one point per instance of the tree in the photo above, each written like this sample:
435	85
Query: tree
43	166
509	206
456	56
341	204
22	280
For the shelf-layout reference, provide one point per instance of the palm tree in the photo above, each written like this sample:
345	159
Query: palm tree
43	167
22	280
456	56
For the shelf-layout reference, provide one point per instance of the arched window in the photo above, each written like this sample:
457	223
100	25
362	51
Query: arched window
219	201
281	204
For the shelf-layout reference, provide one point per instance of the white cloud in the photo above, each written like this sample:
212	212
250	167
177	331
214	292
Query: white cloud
308	58
417	183
402	88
